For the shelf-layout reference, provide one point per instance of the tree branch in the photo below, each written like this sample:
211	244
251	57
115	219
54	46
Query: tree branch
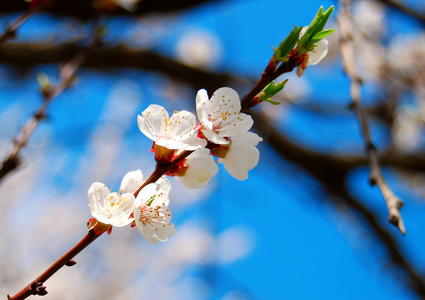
28	55
67	74
347	51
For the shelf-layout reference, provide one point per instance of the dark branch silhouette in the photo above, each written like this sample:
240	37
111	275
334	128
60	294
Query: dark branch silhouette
83	9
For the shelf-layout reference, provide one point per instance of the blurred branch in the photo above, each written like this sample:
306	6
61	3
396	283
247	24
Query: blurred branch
403	8
331	173
27	55
67	75
83	9
10	33
347	51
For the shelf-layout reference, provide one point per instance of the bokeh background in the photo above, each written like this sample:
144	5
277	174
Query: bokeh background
306	224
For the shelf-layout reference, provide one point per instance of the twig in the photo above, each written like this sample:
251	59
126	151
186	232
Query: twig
67	74
347	50
162	169
268	75
36	286
10	33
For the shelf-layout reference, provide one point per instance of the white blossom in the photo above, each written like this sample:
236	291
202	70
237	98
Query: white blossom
199	168
114	208
220	116
177	132
242	155
151	214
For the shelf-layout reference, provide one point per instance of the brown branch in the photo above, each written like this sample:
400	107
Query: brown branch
36	286
347	51
28	55
67	74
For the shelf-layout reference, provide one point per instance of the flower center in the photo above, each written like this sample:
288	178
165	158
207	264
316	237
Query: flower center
155	216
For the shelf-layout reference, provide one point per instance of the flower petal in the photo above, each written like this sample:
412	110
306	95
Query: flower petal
236	125
122	209
214	137
203	107
242	156
227	97
319	52
97	194
132	181
150	121
163	190
201	168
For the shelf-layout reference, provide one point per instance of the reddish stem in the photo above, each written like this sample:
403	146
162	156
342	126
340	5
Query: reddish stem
161	170
268	75
30	288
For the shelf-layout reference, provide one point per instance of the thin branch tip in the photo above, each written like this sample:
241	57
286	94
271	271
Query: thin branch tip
397	221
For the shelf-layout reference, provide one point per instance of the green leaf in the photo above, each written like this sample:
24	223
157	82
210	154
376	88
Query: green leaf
322	34
315	32
285	47
270	90
272	102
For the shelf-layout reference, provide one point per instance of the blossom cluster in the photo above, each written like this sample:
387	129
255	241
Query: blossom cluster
148	211
222	132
